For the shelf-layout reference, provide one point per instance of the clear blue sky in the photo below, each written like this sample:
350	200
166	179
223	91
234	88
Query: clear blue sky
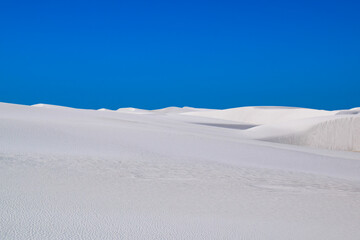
153	54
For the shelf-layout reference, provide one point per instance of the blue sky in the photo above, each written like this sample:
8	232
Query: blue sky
154	54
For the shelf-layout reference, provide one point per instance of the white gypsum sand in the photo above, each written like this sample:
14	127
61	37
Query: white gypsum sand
178	173
337	130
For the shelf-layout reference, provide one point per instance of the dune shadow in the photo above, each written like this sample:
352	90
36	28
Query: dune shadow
226	125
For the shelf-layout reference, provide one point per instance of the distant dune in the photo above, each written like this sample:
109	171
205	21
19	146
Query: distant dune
337	130
133	110
179	110
263	115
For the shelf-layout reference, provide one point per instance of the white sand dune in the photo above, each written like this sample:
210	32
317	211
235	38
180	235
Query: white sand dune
179	110
167	110
353	111
339	132
104	109
263	115
133	110
85	174
43	105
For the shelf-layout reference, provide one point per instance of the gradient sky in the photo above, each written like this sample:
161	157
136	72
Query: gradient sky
154	54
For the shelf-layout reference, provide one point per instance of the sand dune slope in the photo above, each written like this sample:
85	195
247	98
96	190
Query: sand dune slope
340	132
85	174
263	115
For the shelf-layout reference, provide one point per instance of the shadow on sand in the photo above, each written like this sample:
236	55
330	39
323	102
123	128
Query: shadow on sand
233	126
